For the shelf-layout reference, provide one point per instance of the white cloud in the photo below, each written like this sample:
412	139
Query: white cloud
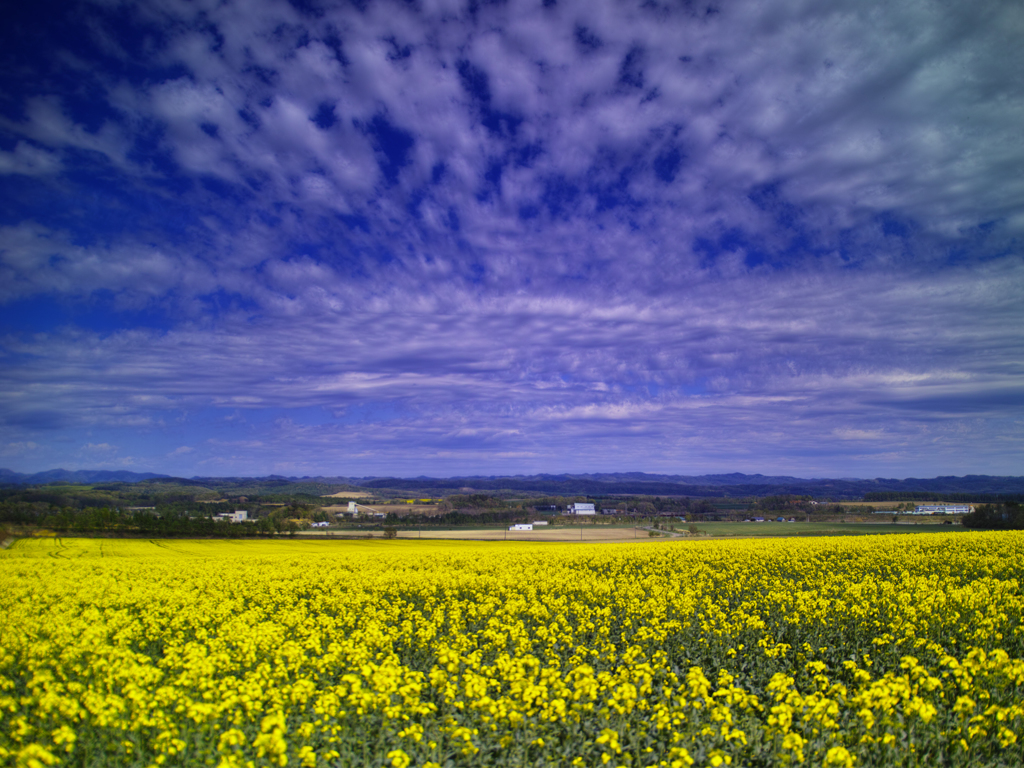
29	160
859	434
19	449
98	448
787	364
48	125
34	260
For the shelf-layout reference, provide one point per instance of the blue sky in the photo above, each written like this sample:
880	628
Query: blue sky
529	236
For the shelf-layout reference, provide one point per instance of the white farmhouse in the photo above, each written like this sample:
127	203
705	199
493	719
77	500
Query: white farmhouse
521	527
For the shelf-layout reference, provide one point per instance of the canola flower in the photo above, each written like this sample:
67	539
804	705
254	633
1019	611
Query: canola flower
866	651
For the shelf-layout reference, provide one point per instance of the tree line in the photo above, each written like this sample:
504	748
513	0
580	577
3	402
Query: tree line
996	517
166	521
950	498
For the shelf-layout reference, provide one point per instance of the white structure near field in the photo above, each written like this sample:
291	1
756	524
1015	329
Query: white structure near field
355	509
232	517
521	527
581	509
943	509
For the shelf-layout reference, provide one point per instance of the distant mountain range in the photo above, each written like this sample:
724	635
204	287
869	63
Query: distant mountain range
708	486
635	483
7	477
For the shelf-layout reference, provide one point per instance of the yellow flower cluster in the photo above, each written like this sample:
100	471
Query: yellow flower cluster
867	651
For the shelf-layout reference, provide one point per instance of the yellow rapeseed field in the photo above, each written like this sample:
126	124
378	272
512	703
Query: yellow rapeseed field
866	651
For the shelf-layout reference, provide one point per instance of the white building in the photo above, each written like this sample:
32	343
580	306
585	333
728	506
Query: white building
581	509
324	524
943	509
521	527
232	517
